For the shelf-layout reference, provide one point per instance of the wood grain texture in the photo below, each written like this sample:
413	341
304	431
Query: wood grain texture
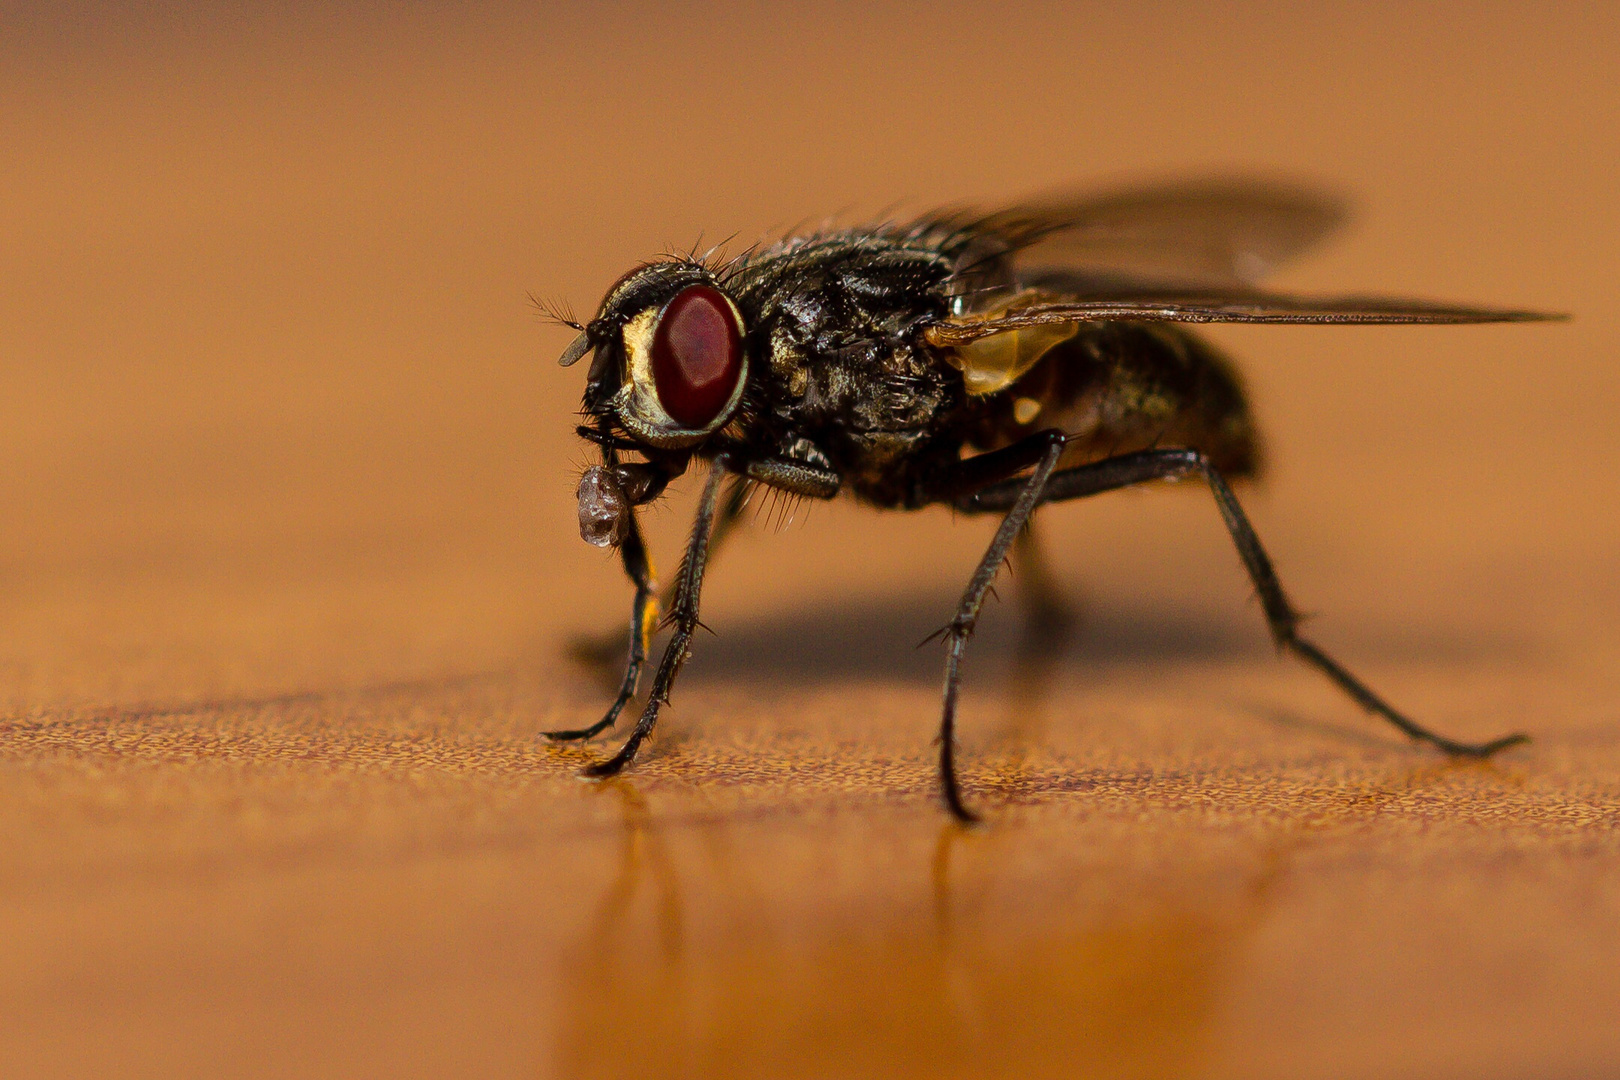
291	570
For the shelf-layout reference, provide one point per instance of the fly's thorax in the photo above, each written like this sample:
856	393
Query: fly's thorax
835	327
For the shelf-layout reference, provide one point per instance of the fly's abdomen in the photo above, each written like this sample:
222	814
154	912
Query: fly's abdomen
1121	387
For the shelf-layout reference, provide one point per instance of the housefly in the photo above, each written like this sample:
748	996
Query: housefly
990	362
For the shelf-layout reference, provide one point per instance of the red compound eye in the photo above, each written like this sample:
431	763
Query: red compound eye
696	356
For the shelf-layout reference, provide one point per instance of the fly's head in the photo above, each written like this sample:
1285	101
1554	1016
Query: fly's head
669	370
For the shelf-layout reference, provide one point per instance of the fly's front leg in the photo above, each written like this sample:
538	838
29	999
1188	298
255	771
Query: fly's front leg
1281	617
643	618
1030	489
800	479
608	497
683	613
600	650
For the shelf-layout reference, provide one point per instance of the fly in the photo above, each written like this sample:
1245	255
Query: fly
993	363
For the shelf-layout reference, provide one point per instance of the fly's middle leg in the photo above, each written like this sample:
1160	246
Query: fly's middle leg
960	629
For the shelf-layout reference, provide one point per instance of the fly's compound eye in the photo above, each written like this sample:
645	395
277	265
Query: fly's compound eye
686	367
696	356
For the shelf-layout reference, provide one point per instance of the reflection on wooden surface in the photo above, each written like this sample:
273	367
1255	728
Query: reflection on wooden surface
950	990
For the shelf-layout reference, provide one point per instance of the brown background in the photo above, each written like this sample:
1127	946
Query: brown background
290	565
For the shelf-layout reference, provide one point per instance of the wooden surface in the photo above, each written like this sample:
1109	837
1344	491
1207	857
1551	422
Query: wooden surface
291	570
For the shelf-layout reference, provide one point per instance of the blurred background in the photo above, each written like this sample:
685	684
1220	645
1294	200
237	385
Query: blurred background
279	420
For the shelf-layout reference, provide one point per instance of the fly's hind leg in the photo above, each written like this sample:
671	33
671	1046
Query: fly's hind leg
1283	620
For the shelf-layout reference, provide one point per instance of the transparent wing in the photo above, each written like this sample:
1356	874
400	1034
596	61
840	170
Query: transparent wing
1207	231
1039	309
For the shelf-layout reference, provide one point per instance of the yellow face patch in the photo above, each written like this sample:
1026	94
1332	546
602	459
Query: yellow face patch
638	335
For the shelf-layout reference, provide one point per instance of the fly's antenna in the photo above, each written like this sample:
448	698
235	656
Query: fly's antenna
557	312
